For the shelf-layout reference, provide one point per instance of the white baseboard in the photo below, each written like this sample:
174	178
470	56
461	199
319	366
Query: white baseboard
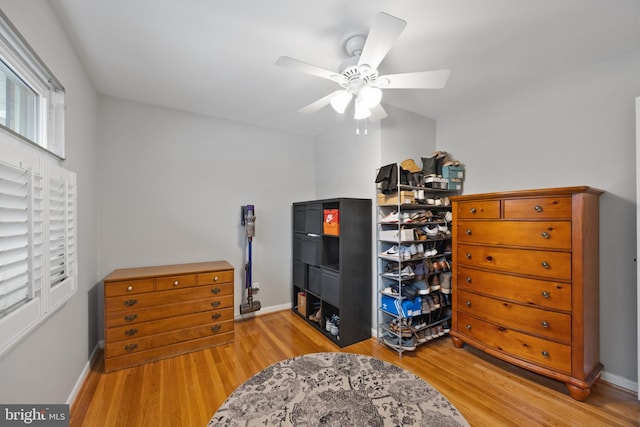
83	376
620	382
263	310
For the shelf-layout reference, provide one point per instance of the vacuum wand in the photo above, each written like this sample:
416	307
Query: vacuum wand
248	219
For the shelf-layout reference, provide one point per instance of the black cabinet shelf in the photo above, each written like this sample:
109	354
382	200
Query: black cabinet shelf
332	267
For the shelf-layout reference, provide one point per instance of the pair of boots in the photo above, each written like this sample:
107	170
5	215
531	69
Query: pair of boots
432	165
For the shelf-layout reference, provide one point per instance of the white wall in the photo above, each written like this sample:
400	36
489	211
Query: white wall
172	185
346	163
577	129
406	135
44	367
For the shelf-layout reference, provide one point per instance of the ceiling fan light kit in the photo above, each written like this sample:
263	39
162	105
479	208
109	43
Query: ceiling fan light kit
359	76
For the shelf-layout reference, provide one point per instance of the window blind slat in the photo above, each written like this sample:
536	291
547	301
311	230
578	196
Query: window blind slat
14	236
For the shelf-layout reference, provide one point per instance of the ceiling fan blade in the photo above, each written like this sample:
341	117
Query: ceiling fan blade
294	64
320	103
377	113
383	33
435	79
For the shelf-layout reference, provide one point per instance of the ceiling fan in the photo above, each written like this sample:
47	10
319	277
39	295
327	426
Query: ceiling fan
358	74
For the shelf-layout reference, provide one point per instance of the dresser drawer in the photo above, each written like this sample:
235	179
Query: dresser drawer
212	278
538	208
140	357
548	324
545	264
175	282
135	316
121	333
145	343
533	292
128	302
129	287
545	353
480	209
555	235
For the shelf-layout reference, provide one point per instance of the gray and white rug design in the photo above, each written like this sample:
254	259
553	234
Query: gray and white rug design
336	389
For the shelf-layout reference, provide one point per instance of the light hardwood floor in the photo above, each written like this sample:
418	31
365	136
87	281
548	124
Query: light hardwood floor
186	390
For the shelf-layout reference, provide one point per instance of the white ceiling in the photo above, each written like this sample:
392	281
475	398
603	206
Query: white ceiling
217	57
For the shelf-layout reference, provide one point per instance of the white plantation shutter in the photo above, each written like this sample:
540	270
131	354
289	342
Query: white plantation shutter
14	236
38	259
61	229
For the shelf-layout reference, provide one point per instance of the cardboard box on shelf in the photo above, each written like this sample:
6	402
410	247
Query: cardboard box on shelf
302	303
402	235
405	197
331	224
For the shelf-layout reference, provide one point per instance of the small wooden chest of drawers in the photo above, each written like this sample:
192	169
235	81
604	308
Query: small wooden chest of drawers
525	280
152	313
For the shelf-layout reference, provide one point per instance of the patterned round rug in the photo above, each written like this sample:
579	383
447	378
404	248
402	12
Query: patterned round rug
336	389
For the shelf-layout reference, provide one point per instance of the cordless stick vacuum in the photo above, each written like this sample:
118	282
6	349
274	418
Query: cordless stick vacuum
248	220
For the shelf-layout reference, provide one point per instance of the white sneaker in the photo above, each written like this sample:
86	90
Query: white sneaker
393	251
392	217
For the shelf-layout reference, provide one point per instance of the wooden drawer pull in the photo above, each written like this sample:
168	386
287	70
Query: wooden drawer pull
468	279
489	258
130	347
468	327
214	304
473	210
545	264
538	208
130	317
545	235
545	324
215	328
546	294
131	332
216	291
215	278
176	283
216	316
545	354
468	303
130	302
129	288
468	232
468	255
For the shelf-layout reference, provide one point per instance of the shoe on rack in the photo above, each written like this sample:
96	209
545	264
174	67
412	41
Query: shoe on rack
429	304
390	292
419	234
399	343
445	282
316	317
446	326
434	283
431	231
436	300
431	251
407	273
420	271
421	287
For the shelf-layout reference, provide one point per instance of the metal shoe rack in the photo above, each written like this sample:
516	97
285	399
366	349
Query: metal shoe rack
414	265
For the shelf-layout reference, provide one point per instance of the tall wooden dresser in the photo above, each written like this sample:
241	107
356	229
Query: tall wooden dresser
525	280
152	313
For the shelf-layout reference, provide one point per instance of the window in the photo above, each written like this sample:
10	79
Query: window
31	98
38	260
